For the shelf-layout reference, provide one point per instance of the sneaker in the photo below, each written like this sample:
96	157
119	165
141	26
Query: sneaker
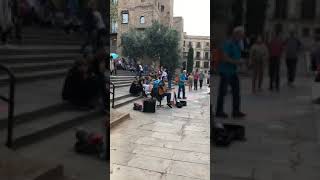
239	115
169	104
222	115
185	98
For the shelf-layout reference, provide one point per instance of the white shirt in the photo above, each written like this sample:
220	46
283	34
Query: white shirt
141	68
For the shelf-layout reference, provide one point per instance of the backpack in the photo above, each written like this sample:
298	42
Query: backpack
88	143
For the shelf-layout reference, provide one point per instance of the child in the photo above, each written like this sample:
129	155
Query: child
190	81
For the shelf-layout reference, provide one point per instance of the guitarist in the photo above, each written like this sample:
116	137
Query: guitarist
162	92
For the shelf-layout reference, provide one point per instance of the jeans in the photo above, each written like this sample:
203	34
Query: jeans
291	68
168	95
274	72
225	81
183	89
201	82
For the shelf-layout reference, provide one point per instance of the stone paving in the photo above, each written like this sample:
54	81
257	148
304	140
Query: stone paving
171	144
282	136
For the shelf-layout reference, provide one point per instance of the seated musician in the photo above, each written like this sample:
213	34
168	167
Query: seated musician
162	91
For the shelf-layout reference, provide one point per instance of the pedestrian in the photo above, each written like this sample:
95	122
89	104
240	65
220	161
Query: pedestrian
201	78
6	23
293	46
196	79
229	74
164	74
190	81
276	49
258	57
140	70
111	66
181	84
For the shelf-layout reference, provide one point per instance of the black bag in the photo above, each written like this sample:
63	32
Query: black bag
137	107
183	103
223	136
178	103
149	105
88	143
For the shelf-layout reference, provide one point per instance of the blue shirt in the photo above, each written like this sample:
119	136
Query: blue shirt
182	79
233	50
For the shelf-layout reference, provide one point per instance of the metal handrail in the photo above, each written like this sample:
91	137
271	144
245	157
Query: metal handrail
113	92
10	101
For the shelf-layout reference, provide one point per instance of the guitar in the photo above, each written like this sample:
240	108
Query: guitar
162	90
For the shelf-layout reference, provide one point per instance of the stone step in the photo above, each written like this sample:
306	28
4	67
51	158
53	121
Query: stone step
27	77
126	101
60	149
19	167
49	125
46	42
29	50
123	85
39	66
122	82
37	57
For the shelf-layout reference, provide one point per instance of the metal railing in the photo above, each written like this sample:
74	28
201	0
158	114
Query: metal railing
10	101
112	92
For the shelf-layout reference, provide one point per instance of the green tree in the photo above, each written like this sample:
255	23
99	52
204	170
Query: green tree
190	60
163	42
133	44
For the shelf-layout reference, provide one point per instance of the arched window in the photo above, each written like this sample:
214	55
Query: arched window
142	20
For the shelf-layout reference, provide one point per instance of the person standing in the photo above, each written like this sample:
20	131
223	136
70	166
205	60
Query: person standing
276	49
164	75
293	46
169	79
112	66
315	55
196	79
5	20
201	78
229	74
101	29
258	58
140	70
182	81
90	25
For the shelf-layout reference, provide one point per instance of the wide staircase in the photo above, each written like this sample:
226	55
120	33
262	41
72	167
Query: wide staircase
122	82
40	65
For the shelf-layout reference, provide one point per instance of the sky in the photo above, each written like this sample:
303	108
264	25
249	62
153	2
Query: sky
196	15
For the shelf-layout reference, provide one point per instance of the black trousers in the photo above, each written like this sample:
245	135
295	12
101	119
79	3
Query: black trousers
168	95
274	72
195	84
225	81
201	82
291	69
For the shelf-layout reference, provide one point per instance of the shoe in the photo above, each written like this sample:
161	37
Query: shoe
184	98
169	104
179	97
222	115
238	115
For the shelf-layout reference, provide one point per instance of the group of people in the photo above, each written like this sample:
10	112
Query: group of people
261	54
86	82
194	78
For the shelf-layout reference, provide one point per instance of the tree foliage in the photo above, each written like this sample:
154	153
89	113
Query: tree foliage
156	41
133	44
190	60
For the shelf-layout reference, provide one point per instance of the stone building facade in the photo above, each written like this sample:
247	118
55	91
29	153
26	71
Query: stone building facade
139	14
201	47
300	16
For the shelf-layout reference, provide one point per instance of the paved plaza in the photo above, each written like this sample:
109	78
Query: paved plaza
171	144
282	135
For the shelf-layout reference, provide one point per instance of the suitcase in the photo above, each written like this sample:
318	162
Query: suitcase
149	105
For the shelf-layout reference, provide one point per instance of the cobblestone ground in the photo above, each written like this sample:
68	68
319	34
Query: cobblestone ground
282	136
171	144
